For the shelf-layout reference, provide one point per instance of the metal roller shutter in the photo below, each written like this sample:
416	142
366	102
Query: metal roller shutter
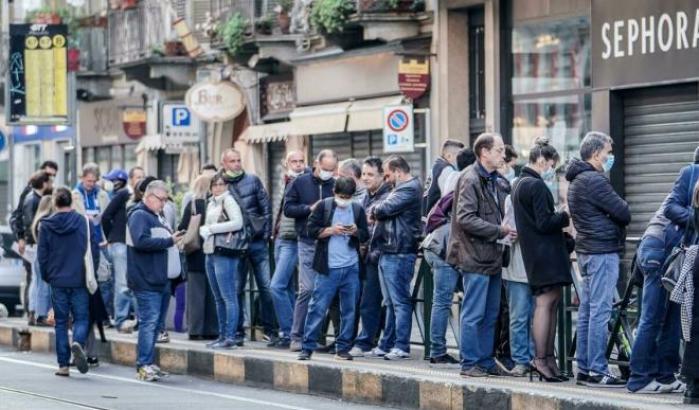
340	143
660	138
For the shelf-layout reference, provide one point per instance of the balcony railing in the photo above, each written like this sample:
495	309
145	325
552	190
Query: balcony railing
389	6
138	33
261	16
92	43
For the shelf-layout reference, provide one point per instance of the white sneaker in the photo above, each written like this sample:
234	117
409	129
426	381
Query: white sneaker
397	354
375	353
652	388
159	372
676	387
356	352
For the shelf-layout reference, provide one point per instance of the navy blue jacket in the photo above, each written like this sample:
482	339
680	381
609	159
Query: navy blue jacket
147	256
305	191
679	203
114	217
61	249
254	200
399	218
599	214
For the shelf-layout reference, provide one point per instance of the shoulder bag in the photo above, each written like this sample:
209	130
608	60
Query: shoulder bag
672	268
90	279
232	244
191	242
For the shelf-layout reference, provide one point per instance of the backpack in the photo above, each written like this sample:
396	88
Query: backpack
328	208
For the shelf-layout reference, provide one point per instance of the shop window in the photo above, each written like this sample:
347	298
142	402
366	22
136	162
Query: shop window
130	160
103	156
117	156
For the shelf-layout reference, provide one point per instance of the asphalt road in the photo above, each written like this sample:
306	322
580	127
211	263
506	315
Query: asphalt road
27	382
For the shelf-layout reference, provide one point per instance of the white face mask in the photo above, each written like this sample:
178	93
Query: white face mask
343	203
108	185
293	174
326	175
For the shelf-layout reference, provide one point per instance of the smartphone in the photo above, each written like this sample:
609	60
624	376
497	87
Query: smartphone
348	227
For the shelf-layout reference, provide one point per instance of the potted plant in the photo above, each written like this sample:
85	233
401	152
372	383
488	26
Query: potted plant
234	33
283	18
43	15
263	25
330	16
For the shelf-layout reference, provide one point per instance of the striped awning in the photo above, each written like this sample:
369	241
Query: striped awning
150	143
264	133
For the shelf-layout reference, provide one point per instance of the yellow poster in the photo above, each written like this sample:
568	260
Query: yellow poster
60	58
32	74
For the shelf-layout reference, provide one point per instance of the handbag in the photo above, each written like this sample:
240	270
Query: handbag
672	268
90	279
191	241
232	244
174	264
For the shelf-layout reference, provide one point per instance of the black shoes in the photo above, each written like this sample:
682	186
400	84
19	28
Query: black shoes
343	356
443	359
606	381
283	344
691	395
305	355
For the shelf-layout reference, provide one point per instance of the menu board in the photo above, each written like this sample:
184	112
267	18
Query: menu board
37	74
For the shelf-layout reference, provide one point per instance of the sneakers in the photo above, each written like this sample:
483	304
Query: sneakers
295	346
126	327
280	344
675	387
443	359
163	337
496	371
475	371
343	356
79	357
225	344
375	353
397	354
63	372
159	372
520	370
651	388
305	355
581	379
605	381
356	351
211	344
147	374
93	362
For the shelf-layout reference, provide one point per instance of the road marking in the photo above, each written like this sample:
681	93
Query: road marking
162	386
51	398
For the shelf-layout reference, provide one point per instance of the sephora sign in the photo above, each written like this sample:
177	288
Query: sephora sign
637	42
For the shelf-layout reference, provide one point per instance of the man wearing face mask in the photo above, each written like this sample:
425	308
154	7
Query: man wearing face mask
339	226
443	167
300	199
600	216
286	256
256	205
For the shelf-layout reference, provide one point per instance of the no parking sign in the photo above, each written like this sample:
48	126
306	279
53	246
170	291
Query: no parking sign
398	129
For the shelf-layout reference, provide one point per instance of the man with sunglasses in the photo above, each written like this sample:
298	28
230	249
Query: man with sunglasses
147	272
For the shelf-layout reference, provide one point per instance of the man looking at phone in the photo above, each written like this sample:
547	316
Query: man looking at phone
339	226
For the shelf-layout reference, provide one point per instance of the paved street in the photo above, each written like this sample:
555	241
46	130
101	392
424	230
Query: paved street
27	382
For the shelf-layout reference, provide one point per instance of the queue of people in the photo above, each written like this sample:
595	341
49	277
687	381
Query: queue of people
352	231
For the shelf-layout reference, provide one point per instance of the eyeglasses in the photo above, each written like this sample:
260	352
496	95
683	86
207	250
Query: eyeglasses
162	200
218	184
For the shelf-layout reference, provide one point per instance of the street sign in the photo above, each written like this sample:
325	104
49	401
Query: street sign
414	76
215	102
398	129
37	75
134	123
178	124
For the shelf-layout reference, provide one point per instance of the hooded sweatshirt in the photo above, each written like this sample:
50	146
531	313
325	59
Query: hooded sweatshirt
62	247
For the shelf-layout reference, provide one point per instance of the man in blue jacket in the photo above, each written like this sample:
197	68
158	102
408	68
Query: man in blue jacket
63	242
600	216
147	272
399	217
257	207
299	201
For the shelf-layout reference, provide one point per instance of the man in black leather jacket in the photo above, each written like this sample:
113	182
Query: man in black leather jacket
256	205
399	217
600	216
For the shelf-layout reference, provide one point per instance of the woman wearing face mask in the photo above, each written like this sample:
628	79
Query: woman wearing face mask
223	215
545	252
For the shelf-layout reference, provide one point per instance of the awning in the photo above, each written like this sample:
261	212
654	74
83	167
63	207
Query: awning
367	115
258	134
319	119
150	143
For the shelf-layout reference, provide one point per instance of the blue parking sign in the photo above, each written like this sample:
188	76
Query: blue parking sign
181	117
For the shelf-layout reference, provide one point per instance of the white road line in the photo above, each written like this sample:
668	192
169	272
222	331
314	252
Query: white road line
51	398
162	386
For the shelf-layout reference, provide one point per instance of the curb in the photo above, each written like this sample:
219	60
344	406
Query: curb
246	367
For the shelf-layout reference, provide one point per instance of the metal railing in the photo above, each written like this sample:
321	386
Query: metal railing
92	43
138	33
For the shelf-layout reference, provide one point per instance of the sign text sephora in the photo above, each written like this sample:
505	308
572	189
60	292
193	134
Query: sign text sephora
644	41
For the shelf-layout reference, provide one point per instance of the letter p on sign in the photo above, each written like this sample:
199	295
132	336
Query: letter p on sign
180	117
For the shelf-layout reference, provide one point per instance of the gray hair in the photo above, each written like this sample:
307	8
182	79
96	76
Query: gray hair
91	168
593	143
155	186
326	153
352	166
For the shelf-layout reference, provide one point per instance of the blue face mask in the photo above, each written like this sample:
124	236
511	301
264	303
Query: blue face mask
548	175
607	166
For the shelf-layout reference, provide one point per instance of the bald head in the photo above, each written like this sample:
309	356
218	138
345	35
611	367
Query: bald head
231	160
295	162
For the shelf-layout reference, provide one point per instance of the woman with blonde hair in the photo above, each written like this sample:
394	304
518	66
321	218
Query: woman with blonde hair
202	322
39	290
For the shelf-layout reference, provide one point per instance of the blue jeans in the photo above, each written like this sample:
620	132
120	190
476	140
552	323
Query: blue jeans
124	300
600	274
164	306
285	258
67	302
655	354
258	255
396	273
149	305
39	293
307	278
479	313
369	308
344	281
445	279
222	272
107	285
521	306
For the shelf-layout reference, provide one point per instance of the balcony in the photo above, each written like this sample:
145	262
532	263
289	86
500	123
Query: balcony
389	20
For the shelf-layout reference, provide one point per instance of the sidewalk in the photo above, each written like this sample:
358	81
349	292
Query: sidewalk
405	384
